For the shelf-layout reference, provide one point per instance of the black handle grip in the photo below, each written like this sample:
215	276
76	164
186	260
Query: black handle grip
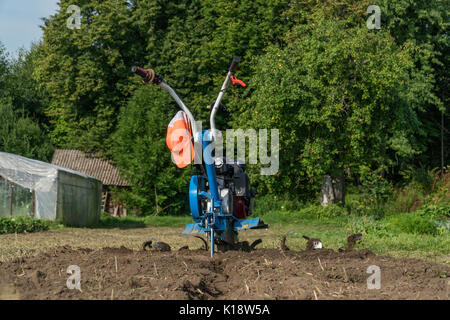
234	64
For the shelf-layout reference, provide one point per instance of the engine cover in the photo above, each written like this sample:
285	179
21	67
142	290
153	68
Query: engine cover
234	188
227	201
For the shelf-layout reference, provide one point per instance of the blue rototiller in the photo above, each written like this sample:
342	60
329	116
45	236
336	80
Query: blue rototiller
220	197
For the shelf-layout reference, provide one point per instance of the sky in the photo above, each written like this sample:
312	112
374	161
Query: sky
20	20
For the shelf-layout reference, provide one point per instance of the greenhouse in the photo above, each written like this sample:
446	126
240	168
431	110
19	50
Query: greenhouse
44	191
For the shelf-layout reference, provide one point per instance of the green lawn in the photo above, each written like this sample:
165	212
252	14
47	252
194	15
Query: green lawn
149	221
378	236
383	236
334	234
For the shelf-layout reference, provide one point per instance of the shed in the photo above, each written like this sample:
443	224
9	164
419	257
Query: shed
99	168
39	189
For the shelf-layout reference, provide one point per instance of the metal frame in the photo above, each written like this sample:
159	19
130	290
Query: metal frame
212	222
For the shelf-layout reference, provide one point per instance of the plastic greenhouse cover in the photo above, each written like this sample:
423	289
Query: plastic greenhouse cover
42	177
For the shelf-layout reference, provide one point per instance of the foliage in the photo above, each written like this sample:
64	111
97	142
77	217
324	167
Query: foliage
375	189
421	179
21	108
23	89
22	225
406	199
368	225
436	211
423	25
345	98
86	71
425	187
142	155
4	71
336	95
21	135
312	212
414	223
106	221
325	212
271	202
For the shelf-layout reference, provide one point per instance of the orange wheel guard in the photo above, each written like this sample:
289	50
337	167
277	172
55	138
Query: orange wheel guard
179	140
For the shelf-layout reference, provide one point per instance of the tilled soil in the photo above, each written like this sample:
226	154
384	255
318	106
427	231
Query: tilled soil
121	273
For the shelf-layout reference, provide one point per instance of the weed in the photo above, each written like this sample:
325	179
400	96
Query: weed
107	221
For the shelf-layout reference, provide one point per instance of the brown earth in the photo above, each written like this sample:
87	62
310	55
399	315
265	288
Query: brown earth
121	273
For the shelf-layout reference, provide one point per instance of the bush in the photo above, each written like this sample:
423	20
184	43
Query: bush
441	188
431	219
413	223
22	225
313	212
368	225
362	207
426	220
22	135
369	199
407	199
324	213
425	188
436	211
269	202
421	179
375	189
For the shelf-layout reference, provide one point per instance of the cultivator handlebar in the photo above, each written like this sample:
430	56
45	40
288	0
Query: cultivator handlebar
234	64
147	75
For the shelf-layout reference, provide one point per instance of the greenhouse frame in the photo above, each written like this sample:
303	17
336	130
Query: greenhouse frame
44	191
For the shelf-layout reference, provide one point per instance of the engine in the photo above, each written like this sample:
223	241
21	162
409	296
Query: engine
234	188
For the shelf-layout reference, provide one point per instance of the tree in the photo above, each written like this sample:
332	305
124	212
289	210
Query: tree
20	103
86	71
142	156
23	89
353	98
21	135
191	44
424	25
336	93
4	71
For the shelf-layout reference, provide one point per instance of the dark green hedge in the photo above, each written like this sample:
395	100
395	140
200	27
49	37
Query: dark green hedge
22	225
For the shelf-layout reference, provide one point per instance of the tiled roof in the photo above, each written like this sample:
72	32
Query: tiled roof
95	167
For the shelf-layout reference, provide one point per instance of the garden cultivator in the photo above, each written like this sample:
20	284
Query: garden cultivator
220	197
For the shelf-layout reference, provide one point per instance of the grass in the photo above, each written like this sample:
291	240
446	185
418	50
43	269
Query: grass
420	234
385	232
27	225
413	223
22	245
128	222
333	232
